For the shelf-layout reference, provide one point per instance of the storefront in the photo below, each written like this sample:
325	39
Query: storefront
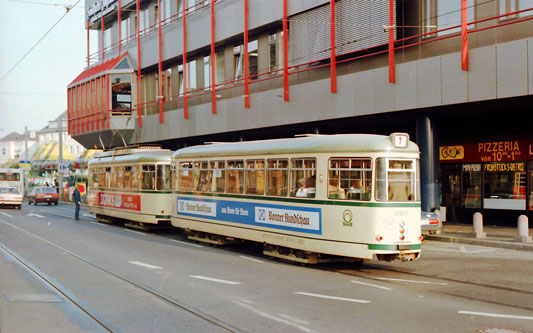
494	178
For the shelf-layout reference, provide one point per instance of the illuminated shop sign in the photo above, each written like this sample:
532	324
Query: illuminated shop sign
97	9
492	151
505	167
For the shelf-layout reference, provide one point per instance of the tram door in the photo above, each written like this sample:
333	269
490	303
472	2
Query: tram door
451	189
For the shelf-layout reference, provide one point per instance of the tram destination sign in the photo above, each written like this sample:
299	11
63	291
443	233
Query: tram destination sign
492	151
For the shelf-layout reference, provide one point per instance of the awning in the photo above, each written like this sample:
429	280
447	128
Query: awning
98	70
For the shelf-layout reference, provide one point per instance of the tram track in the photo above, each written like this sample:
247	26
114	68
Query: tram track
63	291
523	292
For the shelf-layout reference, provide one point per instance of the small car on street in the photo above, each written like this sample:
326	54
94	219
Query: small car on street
43	194
10	196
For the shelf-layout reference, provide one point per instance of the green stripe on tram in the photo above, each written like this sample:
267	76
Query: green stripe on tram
306	201
163	216
389	247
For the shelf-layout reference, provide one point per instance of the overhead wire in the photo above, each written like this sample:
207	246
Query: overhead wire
37	43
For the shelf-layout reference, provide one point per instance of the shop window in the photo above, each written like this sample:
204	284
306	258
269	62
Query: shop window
530	176
471	186
277	177
303	177
121	93
505	185
451	189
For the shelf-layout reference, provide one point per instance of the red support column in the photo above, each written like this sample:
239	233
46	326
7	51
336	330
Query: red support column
139	107
160	94
102	100
285	55
464	35
86	111
391	42
246	65
97	109
107	101
77	123
91	103
103	38
88	55
185	110
119	27
69	109
213	61
333	60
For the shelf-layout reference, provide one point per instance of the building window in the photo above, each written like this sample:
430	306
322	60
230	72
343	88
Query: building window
253	64
165	11
505	185
167	84
238	61
509	6
442	14
125	30
143	21
180	80
207	72
220	75
272	52
191	75
108	41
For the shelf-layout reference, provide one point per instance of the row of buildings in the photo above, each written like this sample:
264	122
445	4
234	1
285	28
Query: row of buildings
43	147
457	75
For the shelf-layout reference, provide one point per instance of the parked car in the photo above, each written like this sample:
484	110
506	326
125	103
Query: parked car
10	196
43	194
430	223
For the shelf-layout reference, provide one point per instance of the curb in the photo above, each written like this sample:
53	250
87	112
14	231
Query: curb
482	242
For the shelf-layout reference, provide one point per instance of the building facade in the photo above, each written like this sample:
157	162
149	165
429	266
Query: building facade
451	73
12	147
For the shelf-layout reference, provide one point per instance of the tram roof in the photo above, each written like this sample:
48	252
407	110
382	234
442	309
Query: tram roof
131	156
340	143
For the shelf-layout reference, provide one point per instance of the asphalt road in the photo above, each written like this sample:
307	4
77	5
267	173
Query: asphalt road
133	281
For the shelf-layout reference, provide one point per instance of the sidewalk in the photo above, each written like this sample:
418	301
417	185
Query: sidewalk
500	237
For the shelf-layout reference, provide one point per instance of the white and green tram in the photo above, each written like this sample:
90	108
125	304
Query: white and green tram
131	185
307	199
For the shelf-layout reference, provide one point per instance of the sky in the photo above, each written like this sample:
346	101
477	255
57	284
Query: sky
35	91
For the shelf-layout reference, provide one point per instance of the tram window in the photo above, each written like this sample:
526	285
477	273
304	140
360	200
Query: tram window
120	176
185	176
148	175
254	175
200	176
135	177
163	177
127	176
217	175
235	176
350	178
303	177
106	180
277	177
94	175
397	180
114	175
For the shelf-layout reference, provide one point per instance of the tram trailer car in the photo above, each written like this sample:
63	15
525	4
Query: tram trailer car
308	199
131	185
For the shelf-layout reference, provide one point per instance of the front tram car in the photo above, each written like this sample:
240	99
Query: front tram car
308	199
131	185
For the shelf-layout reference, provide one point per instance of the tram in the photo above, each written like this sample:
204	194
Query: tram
10	177
131	185
308	199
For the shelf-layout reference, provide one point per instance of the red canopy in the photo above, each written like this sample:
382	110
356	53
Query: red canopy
94	70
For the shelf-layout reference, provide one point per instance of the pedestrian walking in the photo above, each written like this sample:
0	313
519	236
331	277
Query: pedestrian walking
56	185
76	196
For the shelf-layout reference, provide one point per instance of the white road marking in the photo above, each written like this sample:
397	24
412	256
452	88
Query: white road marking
98	223
136	232
186	243
495	315
36	215
371	285
464	250
413	281
213	280
294	320
332	297
6	214
252	259
87	215
266	315
142	264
